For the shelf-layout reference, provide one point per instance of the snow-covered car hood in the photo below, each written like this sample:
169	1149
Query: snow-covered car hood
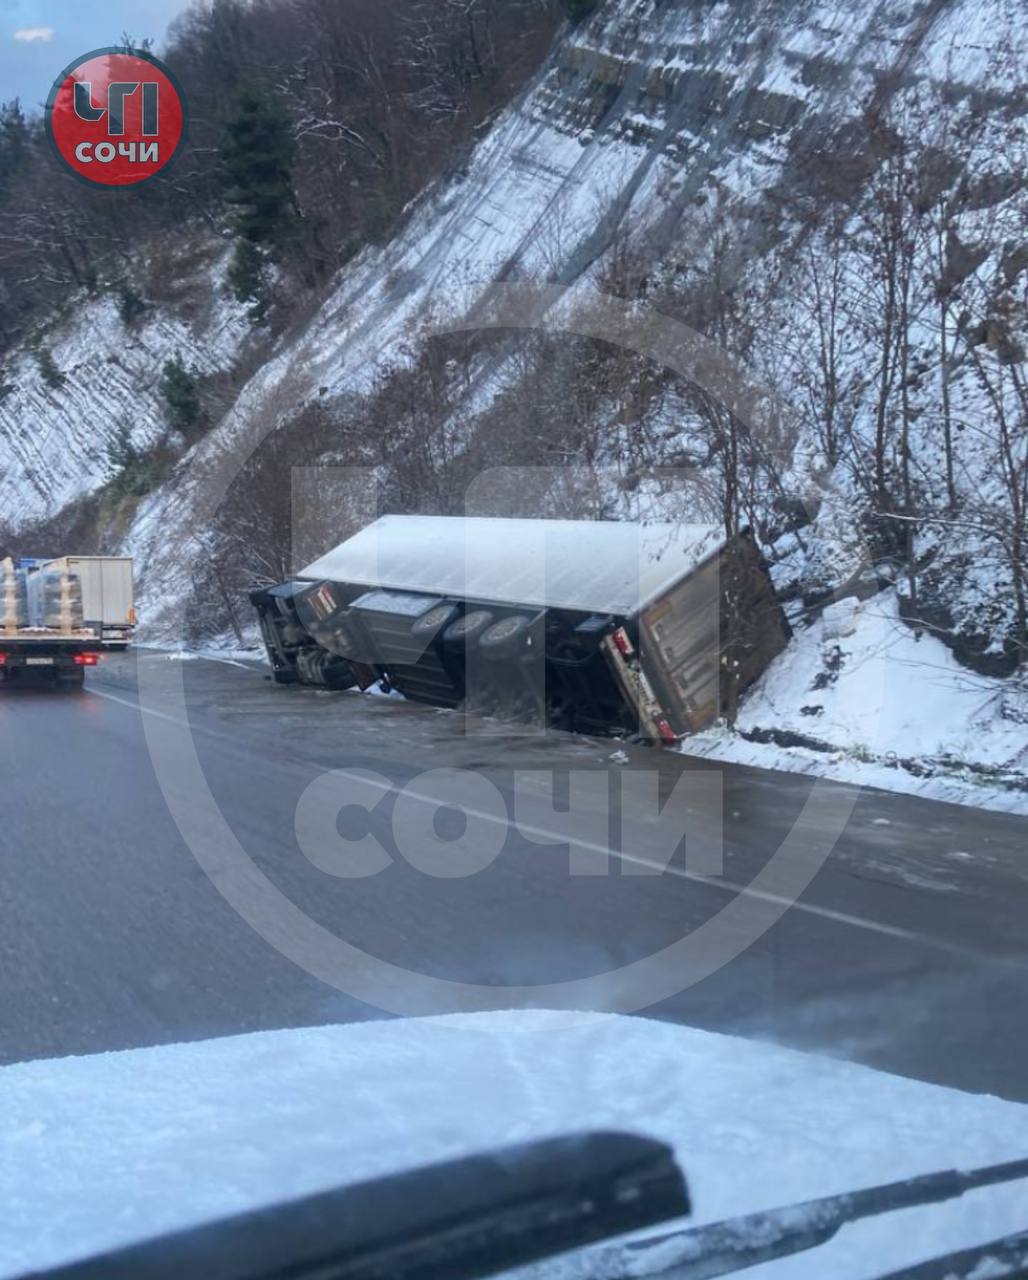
99	1151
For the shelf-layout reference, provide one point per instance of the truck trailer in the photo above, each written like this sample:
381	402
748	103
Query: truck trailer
107	594
646	630
41	630
58	616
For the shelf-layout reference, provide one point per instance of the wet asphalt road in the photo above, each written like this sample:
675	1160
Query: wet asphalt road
123	924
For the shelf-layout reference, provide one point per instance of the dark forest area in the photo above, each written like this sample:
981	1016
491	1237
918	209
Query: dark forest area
311	126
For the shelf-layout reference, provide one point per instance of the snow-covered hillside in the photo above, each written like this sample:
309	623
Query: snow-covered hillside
833	193
649	113
91	374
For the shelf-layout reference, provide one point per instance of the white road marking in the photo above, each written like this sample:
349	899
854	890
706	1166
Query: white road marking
682	873
152	711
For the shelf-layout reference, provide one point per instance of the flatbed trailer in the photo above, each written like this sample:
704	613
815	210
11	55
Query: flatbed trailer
64	656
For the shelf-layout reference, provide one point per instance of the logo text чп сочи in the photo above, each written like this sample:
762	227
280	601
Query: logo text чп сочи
115	117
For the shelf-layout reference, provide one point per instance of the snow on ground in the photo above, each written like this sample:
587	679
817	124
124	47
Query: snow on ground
245	658
232	657
55	434
538	196
859	697
222	648
103	1150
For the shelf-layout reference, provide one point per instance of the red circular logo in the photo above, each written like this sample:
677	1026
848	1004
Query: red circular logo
115	117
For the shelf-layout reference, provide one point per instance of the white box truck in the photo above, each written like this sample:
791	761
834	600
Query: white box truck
107	595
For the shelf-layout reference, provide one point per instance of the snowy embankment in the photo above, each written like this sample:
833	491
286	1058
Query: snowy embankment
859	697
91	374
105	1150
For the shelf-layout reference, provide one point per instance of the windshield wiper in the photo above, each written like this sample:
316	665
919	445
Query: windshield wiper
1005	1259
733	1244
461	1220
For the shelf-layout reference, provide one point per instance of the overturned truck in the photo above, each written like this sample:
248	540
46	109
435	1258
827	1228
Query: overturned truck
649	630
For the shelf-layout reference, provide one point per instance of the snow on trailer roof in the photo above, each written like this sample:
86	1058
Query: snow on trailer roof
592	566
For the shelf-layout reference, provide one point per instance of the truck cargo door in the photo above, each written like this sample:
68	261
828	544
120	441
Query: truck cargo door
679	642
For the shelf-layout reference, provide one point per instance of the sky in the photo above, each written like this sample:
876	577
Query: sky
38	38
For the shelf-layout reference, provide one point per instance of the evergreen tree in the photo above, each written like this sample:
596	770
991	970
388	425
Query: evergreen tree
121	452
579	10
178	387
14	139
130	304
247	276
258	155
130	473
49	371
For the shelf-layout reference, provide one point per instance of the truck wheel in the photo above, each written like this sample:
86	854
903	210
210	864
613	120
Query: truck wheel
506	637
465	631
71	681
429	624
339	674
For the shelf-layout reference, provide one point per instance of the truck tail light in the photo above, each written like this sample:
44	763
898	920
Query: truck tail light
666	732
86	659
132	615
3	659
623	643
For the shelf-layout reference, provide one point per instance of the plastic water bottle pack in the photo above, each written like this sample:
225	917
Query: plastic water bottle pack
13	597
55	600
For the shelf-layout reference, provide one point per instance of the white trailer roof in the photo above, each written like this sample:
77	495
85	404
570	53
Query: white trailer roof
596	566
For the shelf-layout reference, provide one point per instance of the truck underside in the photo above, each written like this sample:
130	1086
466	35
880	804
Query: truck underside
543	665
